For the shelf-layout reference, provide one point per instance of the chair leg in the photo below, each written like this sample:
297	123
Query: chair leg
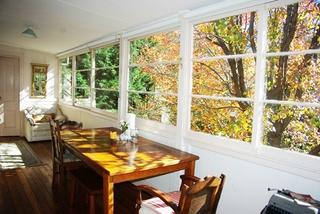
55	175
62	180
91	204
72	192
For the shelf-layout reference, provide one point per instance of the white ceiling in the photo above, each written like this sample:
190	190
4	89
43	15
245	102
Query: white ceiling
64	24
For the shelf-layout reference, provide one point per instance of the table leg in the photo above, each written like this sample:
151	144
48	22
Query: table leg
108	202
190	170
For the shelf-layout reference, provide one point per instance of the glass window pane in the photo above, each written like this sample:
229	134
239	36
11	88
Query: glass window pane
107	57
107	100
232	77
226	36
161	108
82	92
107	78
295	77
82	97
158	47
294	27
292	128
83	79
66	79
83	61
159	78
231	119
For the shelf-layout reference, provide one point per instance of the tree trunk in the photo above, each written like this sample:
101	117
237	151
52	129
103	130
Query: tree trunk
279	91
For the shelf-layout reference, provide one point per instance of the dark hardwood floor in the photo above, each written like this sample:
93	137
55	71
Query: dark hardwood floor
28	190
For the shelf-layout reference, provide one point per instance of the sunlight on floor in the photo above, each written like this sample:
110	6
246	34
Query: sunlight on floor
10	156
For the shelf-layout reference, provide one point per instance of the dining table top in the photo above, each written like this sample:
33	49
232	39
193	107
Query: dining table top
115	157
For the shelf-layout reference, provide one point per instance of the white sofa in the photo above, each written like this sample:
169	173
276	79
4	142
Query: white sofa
37	127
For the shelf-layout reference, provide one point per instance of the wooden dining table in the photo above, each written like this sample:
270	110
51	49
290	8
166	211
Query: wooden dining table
119	161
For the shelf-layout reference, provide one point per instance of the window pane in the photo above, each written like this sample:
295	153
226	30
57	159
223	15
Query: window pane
231	119
82	92
83	79
159	78
82	97
292	128
227	36
66	78
107	100
232	77
295	77
158	47
160	108
83	61
294	27
107	57
107	78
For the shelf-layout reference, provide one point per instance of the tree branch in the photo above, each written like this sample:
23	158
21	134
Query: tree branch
219	76
315	150
251	32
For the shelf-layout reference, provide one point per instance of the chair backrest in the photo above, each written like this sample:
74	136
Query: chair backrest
70	124
202	196
57	150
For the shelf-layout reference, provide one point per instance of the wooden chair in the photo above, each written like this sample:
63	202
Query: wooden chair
90	182
61	161
70	124
64	161
195	197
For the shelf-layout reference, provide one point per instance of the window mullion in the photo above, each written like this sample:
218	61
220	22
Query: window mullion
257	126
92	80
124	76
185	80
73	79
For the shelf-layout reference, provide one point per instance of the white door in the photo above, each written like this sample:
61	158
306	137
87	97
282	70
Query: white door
9	97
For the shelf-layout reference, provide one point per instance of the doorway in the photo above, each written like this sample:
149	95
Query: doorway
9	97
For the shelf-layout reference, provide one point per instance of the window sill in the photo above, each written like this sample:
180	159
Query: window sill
94	112
295	163
156	128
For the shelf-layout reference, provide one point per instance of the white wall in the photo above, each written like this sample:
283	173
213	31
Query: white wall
26	57
245	190
88	118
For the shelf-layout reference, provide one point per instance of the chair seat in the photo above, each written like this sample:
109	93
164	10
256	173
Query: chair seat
156	205
87	179
69	157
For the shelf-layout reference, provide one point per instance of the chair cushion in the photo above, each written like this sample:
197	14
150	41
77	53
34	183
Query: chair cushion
42	118
156	205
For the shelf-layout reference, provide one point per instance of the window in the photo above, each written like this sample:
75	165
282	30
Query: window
224	60
66	79
106	78
83	80
241	79
153	77
292	108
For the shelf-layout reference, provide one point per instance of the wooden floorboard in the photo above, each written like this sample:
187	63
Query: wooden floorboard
28	190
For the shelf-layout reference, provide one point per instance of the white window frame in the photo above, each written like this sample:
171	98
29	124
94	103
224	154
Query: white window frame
94	68
223	98
61	89
75	84
146	124
288	161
